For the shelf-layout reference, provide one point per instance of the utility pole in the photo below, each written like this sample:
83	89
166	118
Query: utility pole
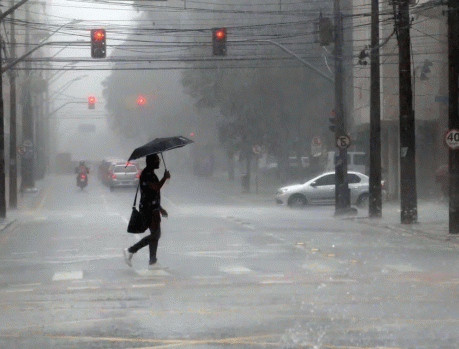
375	202
2	117
2	144
27	164
13	185
453	118
408	197
342	197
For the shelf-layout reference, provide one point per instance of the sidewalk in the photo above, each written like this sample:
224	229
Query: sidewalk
26	201
432	222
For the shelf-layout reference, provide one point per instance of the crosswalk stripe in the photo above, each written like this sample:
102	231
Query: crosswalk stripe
68	275
235	269
148	285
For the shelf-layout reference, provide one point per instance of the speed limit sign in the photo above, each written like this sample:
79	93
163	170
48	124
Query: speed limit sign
452	139
343	142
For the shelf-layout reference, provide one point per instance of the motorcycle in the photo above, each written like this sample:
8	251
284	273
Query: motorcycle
82	180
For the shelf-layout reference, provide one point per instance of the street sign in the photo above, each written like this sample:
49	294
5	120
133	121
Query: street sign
452	139
343	142
21	150
256	149
316	141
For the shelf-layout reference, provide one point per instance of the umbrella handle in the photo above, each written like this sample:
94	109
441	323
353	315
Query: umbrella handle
163	161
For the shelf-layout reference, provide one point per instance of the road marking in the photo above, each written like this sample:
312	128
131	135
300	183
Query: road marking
147	285
236	269
404	268
152	272
270	282
20	290
25	285
68	275
24	253
79	288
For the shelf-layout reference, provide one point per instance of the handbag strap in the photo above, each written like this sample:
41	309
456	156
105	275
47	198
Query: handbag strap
135	198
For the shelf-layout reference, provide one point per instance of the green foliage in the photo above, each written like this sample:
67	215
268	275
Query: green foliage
266	106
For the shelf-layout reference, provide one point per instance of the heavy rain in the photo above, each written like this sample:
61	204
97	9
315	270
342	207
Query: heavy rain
304	191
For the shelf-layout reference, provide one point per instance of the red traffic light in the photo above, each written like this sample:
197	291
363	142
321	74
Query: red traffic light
98	34
141	100
219	33
98	43
219	41
191	134
91	102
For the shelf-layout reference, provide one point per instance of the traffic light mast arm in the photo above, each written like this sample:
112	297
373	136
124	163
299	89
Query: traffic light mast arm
41	44
309	65
63	105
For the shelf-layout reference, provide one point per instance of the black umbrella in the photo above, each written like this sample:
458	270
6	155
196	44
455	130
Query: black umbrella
159	145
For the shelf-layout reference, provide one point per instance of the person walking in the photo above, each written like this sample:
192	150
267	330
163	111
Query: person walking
150	206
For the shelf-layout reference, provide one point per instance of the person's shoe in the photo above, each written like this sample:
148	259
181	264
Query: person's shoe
128	256
152	261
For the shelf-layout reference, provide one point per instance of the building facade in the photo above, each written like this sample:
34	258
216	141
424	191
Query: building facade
429	84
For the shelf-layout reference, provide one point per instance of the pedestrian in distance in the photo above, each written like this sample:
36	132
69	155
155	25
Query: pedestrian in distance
150	207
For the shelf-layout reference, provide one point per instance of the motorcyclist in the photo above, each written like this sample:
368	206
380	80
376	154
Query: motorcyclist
82	169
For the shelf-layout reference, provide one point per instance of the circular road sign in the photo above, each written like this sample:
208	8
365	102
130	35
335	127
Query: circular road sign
452	139
316	141
343	142
256	149
21	150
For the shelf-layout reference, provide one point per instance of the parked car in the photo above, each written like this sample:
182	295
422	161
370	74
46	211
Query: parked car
321	190
122	175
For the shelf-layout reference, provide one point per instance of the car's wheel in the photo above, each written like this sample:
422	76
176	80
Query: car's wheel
297	200
363	200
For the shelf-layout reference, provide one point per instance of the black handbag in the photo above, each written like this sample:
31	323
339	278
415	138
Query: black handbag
138	223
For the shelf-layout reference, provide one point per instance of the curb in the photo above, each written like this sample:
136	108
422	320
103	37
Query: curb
7	225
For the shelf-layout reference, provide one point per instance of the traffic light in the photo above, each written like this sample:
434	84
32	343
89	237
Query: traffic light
325	31
332	120
141	100
98	47
91	102
219	41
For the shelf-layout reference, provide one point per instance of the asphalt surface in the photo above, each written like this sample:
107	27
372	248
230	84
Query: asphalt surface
237	271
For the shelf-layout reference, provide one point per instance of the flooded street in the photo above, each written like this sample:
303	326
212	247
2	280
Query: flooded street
234	272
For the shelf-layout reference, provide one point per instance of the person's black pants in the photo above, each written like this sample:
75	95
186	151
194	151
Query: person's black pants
151	240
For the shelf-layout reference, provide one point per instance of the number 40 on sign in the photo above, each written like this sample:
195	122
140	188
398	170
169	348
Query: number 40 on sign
452	139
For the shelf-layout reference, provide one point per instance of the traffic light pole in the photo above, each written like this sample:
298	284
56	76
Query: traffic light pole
408	197
13	175
342	197
375	200
453	109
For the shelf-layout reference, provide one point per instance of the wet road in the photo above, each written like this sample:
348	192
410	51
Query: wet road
239	274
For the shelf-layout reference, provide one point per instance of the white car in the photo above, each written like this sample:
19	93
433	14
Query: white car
321	191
